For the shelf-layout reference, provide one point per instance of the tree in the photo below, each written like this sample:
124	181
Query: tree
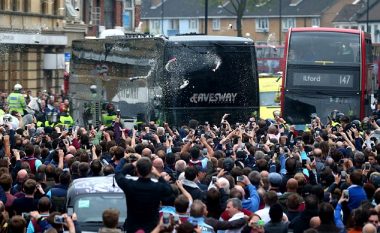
238	8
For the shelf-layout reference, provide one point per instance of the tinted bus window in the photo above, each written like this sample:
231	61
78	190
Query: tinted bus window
327	48
213	75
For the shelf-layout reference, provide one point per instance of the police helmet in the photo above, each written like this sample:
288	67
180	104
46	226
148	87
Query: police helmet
356	123
17	87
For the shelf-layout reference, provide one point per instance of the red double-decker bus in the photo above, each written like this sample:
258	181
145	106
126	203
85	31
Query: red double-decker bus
269	58
376	61
327	69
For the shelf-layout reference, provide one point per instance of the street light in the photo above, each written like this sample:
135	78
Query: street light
162	17
206	16
280	23
367	15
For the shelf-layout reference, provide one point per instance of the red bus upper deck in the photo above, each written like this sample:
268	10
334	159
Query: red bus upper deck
269	58
326	69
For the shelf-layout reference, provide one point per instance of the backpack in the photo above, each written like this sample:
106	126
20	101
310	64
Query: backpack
31	162
36	226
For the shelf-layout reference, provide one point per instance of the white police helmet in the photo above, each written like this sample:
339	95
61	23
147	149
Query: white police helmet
93	87
17	87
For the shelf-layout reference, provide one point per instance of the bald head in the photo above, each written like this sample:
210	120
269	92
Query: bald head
158	164
264	174
68	157
72	150
369	228
317	152
292	185
315	222
240	189
22	175
146	152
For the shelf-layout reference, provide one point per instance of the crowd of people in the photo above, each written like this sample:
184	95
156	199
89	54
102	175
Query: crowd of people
259	176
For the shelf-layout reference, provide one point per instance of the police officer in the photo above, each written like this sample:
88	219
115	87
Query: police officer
65	119
16	100
110	116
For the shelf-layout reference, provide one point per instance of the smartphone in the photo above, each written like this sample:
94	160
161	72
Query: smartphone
105	162
343	175
70	211
25	215
345	194
367	166
242	146
214	179
166	219
59	219
176	219
239	178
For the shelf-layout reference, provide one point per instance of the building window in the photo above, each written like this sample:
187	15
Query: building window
315	22
376	33
369	29
128	4
193	24
3	5
174	24
262	25
288	23
156	25
216	24
26	5
95	16
16	5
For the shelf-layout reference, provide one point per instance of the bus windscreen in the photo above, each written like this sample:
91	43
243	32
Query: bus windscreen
210	76
325	48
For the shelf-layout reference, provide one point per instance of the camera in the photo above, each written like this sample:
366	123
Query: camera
59	219
239	178
118	112
346	194
25	215
367	166
277	148
214	179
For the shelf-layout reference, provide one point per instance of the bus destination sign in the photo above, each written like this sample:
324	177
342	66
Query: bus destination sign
323	80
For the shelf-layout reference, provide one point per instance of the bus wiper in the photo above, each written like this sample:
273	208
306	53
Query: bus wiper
189	47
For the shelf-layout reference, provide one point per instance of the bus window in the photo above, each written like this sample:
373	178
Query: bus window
324	47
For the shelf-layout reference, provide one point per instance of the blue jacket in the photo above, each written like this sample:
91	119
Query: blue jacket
252	204
356	196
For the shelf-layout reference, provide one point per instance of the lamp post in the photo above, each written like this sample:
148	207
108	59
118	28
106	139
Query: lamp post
280	21
162	17
367	15
206	16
